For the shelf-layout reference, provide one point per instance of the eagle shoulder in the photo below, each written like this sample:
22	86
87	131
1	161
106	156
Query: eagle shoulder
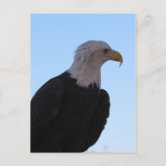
45	103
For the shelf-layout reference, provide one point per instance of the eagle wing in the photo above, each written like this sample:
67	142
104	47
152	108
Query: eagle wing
44	105
98	120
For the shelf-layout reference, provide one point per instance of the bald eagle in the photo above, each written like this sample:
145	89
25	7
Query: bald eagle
69	112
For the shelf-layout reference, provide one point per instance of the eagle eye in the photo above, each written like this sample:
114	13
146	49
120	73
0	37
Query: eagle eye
105	50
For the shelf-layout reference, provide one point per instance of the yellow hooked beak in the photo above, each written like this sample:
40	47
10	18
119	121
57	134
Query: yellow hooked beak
116	56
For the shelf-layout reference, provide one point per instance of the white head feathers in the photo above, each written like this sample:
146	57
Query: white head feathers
85	50
88	60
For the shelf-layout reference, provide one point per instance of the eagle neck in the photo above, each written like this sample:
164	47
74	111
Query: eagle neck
85	74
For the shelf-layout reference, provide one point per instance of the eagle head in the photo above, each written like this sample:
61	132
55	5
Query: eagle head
89	57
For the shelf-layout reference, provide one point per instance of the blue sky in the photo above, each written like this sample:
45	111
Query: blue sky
54	38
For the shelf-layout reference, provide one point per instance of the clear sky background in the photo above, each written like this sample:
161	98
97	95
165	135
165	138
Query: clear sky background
54	38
